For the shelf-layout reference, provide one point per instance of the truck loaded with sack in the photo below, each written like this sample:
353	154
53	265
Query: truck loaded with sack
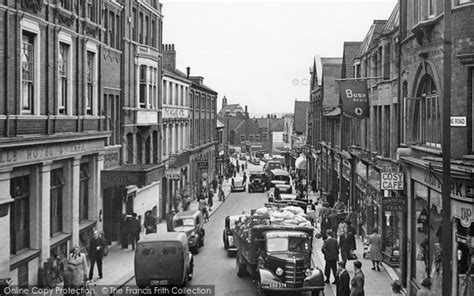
274	247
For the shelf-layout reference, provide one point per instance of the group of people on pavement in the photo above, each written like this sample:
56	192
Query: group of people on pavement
129	230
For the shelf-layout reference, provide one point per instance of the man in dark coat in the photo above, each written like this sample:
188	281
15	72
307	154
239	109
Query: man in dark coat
325	226
346	245
358	280
351	232
135	228
330	250
97	246
149	223
124	231
342	280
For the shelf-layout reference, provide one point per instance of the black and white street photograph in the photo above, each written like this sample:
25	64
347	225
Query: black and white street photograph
237	147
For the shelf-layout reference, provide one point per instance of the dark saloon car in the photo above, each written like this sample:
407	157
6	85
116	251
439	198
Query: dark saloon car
192	224
257	181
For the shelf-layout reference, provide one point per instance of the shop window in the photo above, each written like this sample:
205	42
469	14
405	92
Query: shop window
464	240
56	199
129	148
155	147
84	192
20	214
139	155
428	236
60	250
470	93
147	150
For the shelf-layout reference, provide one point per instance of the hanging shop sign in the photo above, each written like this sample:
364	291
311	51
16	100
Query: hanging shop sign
354	98
394	204
392	180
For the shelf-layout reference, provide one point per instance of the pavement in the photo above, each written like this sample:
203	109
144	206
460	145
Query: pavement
118	265
377	283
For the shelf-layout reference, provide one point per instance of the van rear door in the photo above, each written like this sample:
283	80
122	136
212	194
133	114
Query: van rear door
159	263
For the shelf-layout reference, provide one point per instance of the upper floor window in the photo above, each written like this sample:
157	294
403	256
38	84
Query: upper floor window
84	192
386	61
66	4
153	33
251	138
56	198
90	82
143	83
146	30
431	8
132	25
242	138
165	91
257	138
111	30
27	72
140	28
63	83
423	115
90	9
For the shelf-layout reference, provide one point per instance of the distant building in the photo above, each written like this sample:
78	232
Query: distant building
231	110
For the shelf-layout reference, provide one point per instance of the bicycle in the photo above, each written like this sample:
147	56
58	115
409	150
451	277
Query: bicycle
87	288
54	272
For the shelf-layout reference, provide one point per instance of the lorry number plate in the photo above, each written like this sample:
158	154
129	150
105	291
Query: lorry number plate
277	285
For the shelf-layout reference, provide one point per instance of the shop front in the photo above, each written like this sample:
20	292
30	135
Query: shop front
426	227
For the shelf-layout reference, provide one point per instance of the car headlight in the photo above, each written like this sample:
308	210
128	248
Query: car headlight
308	272
279	271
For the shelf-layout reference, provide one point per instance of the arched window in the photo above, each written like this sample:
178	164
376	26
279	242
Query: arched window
423	115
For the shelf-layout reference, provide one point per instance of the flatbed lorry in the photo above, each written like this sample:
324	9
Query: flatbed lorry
277	255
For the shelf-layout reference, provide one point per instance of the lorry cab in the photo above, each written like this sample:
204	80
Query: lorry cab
163	259
190	223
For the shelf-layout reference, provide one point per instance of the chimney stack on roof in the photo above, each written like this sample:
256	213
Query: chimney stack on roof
246	112
188	70
169	56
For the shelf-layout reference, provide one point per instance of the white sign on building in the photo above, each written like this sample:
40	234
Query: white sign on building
392	180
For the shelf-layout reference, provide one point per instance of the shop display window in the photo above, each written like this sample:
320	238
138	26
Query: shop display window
428	237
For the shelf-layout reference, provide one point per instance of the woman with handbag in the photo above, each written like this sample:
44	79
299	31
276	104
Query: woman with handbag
76	269
375	241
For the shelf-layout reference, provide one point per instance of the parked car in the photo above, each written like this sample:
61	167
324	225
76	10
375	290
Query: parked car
227	235
280	177
237	184
192	224
257	181
255	161
163	259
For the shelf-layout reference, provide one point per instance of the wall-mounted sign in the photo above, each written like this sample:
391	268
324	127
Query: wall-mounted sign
394	204
458	121
392	180
203	165
173	174
463	211
175	113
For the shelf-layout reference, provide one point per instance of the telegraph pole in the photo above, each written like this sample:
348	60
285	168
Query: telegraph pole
446	149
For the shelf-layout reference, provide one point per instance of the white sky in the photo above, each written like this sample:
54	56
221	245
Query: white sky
258	53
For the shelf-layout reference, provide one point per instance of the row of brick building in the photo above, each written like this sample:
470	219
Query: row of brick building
401	60
93	125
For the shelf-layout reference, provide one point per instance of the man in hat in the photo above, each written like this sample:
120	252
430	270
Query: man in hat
342	280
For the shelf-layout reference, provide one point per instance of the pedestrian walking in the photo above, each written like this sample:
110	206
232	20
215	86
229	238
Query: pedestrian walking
243	166
330	250
375	249
202	206
214	184
97	246
325	226
425	288
221	193
134	235
342	280
124	231
149	223
210	199
345	244
351	231
396	288
244	178
169	220
358	281
76	268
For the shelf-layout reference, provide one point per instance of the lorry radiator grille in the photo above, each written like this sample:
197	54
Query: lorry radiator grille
294	274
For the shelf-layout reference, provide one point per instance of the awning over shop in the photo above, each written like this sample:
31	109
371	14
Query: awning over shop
139	175
334	112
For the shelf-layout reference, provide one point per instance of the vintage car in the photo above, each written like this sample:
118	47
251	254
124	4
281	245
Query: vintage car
272	165
280	177
242	156
163	259
237	184
192	224
255	160
257	181
227	235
